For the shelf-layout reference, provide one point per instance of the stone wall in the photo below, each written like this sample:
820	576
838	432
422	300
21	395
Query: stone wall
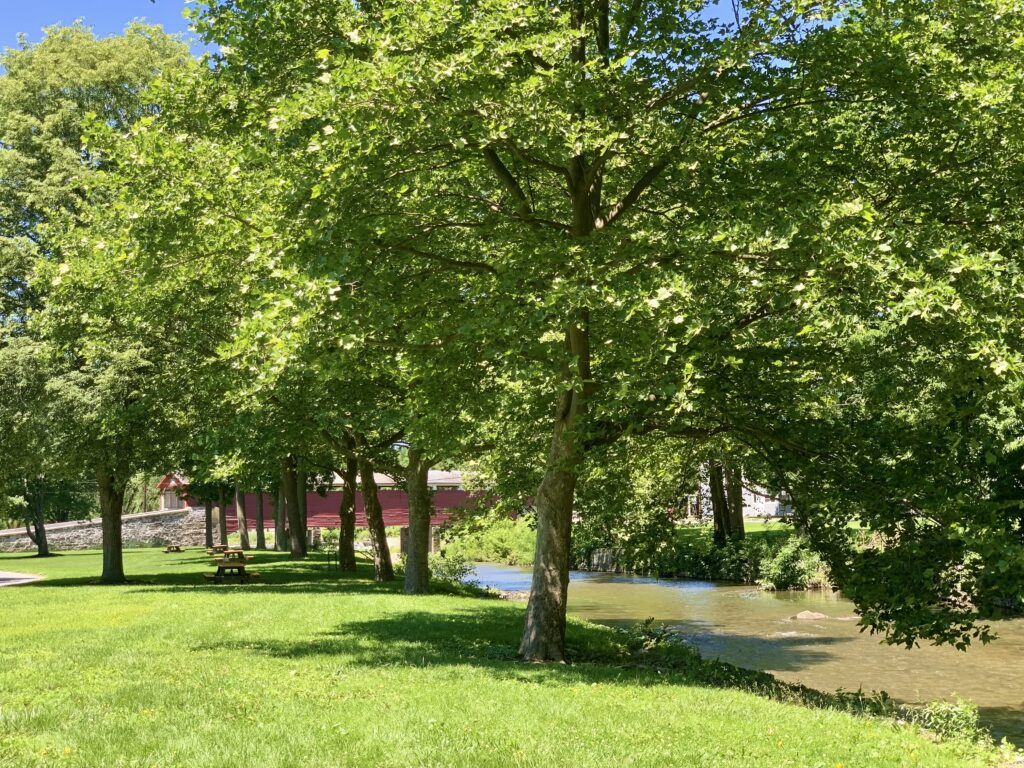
146	529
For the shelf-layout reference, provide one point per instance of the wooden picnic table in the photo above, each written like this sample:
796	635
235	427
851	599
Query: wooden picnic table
229	567
231	562
172	548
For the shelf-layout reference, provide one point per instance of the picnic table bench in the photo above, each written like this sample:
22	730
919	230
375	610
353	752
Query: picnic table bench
232	563
172	548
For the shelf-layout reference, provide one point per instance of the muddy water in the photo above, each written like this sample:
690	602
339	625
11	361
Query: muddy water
755	629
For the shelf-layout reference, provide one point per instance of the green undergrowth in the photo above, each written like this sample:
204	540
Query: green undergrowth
771	555
495	539
312	667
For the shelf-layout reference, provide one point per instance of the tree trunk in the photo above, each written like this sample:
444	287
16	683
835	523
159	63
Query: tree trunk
719	505
208	505
280	526
261	537
544	631
111	507
243	523
382	567
222	515
347	517
734	481
296	539
302	483
42	544
421	508
36	526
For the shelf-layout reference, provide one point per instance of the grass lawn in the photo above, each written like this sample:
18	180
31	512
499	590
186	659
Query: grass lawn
308	668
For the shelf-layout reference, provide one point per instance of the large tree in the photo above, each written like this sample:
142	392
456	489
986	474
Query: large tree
49	92
658	218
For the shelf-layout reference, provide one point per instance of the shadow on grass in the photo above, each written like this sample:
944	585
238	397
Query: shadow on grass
486	636
277	574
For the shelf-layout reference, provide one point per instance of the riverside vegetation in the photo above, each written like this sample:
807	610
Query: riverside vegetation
169	671
771	554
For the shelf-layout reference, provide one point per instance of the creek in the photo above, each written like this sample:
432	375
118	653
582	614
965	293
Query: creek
752	628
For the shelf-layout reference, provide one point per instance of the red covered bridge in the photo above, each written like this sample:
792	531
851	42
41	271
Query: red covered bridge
322	511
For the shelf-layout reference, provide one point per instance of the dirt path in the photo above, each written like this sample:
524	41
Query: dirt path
9	579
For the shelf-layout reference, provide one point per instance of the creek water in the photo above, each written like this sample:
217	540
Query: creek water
756	629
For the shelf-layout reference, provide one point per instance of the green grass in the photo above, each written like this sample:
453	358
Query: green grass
308	668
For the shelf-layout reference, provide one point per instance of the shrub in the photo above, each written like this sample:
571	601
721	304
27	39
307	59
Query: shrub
780	561
949	719
329	538
450	568
494	540
698	558
794	565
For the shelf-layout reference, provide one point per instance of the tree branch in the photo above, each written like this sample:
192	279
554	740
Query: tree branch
508	180
634	194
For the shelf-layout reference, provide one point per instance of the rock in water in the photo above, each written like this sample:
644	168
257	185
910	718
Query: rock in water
809	616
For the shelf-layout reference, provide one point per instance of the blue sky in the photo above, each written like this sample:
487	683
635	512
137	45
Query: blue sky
106	17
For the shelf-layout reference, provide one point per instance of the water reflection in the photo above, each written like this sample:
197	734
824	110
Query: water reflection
760	630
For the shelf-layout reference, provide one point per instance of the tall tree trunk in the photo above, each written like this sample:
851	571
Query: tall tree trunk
734	482
261	536
544	627
37	503
347	517
421	508
544	630
303	497
382	567
243	523
719	505
111	508
280	524
42	544
222	515
291	490
208	507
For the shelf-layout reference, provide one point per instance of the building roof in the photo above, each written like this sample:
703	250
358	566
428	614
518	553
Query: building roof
171	480
435	477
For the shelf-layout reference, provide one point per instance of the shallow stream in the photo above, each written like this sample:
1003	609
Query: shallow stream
756	629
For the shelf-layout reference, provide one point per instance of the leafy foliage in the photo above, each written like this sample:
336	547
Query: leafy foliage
494	539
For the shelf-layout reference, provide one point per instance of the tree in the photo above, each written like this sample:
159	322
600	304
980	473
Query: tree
48	92
621	208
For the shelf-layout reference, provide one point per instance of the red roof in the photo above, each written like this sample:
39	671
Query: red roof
171	480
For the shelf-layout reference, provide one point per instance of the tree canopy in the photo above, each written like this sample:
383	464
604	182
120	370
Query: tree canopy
577	240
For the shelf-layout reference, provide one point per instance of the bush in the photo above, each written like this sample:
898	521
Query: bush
794	565
493	540
329	538
697	557
450	568
949	719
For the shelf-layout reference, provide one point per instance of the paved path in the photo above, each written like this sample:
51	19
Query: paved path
8	579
